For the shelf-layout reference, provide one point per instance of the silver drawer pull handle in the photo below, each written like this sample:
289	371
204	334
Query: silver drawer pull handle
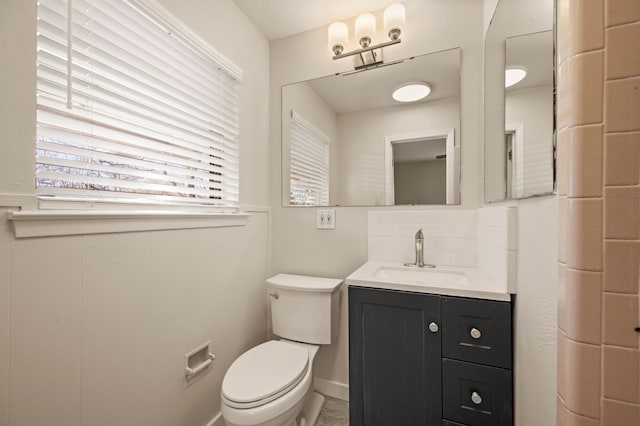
476	398
433	327
275	295
475	333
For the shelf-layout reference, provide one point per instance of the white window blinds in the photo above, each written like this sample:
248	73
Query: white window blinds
309	163
130	109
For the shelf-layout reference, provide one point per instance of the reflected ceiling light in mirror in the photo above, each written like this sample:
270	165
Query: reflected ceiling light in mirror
513	76
367	55
411	92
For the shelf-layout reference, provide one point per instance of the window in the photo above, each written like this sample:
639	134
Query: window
309	184
133	108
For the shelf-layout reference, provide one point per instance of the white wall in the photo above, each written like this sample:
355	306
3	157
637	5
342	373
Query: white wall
94	328
361	156
420	182
297	247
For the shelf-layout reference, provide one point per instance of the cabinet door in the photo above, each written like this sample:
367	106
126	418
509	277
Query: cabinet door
394	358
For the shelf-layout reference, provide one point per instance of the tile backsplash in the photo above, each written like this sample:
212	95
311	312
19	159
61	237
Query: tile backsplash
449	236
484	238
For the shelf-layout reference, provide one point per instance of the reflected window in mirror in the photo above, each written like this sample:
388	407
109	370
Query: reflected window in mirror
357	113
309	162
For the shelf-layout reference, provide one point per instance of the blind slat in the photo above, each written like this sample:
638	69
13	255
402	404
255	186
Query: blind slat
149	116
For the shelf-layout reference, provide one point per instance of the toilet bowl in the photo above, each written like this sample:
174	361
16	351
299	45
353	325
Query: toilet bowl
272	384
269	385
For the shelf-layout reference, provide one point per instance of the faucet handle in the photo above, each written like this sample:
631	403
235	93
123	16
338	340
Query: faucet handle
419	234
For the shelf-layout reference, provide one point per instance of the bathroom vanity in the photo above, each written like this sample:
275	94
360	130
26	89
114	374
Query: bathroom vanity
436	355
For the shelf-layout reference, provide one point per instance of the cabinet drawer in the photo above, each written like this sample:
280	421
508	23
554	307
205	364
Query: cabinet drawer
477	331
448	423
476	395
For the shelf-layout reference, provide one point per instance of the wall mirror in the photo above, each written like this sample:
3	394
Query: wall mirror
519	142
347	142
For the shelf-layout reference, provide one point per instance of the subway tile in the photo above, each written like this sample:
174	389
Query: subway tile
620	316
621	12
617	413
562	140
586	25
622	159
585	162
621	212
562	228
621	369
381	255
586	74
622	105
562	296
463	258
582	374
621	260
622	54
583	299
584	234
380	229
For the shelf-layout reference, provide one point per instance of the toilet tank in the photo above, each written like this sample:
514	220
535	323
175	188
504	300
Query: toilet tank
305	309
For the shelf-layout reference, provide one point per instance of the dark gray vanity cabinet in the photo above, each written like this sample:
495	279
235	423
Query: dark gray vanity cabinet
425	359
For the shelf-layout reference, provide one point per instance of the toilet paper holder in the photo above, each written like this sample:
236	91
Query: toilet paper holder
198	360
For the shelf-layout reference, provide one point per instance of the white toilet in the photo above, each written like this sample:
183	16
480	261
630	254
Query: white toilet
272	383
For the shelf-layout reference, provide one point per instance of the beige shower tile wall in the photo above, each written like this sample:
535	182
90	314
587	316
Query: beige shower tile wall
599	210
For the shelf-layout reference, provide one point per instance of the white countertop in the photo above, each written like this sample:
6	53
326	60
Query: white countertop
444	280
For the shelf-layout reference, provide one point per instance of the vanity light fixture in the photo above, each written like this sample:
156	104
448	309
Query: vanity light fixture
513	76
368	55
411	92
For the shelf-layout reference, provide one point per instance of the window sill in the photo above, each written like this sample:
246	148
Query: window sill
30	224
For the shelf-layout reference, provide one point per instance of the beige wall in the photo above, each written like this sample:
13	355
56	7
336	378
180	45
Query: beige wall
599	250
420	182
94	328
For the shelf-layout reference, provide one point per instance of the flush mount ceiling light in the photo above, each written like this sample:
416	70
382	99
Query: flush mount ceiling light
368	55
411	92
513	76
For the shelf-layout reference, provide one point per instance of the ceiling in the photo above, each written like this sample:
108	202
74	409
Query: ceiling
282	18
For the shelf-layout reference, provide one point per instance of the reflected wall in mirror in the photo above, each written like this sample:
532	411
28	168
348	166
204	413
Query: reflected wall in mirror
347	142
519	127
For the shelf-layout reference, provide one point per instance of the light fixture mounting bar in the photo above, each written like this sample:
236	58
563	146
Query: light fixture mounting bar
366	49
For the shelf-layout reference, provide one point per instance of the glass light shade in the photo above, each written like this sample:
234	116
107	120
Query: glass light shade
338	36
394	19
365	27
411	92
513	76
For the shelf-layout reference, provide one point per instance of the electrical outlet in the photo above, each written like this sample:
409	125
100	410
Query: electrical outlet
326	219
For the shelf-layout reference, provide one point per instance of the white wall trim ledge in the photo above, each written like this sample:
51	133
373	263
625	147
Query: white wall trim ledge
29	224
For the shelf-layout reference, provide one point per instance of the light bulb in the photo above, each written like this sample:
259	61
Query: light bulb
338	37
394	19
365	29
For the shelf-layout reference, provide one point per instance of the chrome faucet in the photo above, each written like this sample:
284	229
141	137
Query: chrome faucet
419	241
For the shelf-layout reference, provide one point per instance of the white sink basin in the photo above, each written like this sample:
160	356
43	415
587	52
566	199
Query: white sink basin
421	276
446	280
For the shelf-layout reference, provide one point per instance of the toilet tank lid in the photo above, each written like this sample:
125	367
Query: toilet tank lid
305	283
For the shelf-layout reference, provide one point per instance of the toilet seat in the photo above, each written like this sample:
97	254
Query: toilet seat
264	373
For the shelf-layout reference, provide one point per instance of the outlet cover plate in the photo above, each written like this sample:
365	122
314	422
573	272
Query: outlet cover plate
326	219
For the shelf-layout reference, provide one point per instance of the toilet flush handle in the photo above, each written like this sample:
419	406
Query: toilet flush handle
275	295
